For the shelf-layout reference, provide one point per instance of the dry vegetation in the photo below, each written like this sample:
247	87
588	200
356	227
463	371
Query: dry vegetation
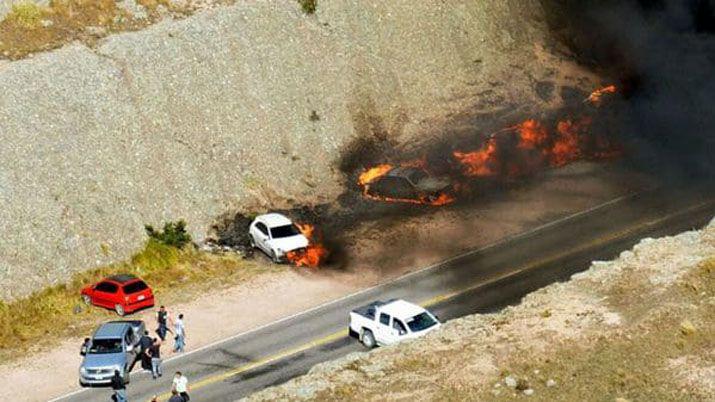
175	274
30	28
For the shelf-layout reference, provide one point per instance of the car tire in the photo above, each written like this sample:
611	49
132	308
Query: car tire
87	300
126	376
368	339
252	241
119	310
83	384
274	257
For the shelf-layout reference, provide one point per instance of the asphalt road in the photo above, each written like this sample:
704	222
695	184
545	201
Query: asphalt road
480	281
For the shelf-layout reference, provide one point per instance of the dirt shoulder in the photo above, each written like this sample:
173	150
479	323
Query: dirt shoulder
424	239
640	327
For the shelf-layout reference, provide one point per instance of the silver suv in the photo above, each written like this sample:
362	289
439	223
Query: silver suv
114	346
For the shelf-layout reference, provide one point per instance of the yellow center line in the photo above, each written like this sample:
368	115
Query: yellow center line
430	302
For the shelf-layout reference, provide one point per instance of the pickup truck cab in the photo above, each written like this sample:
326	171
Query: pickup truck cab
114	346
386	323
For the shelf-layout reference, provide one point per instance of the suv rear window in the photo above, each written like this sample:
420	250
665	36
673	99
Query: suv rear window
135	287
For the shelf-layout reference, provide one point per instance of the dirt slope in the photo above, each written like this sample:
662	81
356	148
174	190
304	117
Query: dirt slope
239	107
641	327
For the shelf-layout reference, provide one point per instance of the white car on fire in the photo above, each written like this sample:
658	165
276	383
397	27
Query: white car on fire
386	323
276	235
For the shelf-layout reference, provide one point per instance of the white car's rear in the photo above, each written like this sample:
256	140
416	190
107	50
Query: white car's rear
386	323
276	235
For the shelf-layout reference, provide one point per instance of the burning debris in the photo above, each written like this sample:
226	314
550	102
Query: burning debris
595	97
515	151
311	256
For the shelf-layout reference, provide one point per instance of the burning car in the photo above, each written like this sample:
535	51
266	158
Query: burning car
405	184
277	236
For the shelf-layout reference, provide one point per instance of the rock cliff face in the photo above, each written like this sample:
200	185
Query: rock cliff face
242	106
640	327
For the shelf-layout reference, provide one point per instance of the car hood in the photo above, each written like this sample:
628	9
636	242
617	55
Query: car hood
432	184
289	243
104	360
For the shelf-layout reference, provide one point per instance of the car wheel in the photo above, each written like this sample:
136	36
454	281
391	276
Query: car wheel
126	376
274	257
368	339
119	309
252	241
87	300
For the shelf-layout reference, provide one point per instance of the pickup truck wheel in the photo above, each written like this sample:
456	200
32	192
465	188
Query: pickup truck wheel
119	309
87	300
368	339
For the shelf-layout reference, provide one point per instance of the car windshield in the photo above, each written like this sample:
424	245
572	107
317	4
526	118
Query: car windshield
103	346
135	287
421	322
284	231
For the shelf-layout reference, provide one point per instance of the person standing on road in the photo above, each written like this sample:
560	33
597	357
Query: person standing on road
179	334
145	343
181	386
154	352
162	318
120	390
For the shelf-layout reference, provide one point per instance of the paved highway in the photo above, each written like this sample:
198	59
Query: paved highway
479	281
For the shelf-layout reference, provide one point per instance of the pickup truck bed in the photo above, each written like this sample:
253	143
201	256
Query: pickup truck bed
368	310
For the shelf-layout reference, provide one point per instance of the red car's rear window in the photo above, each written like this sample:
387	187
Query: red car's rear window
135	287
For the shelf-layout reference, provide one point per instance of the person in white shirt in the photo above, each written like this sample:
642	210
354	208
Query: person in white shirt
179	334
181	385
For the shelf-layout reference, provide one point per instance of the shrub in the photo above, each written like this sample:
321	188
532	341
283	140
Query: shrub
174	234
26	14
308	6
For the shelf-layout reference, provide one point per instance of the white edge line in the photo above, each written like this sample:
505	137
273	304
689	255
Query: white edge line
381	285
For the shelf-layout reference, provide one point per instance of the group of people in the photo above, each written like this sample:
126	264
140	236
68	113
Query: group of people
150	354
179	388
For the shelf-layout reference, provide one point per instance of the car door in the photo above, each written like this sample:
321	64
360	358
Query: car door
129	347
383	330
262	237
104	294
399	330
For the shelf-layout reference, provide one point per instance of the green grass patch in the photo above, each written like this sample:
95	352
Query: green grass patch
49	315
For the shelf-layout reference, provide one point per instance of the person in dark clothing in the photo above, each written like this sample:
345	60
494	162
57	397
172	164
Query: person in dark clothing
175	397
120	390
145	343
85	346
155	353
162	318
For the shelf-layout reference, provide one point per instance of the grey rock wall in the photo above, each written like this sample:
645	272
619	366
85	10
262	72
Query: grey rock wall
191	118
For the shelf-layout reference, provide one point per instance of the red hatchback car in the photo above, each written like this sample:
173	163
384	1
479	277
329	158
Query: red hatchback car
123	293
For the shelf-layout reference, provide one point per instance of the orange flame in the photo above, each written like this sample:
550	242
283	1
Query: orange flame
478	163
373	174
595	97
532	134
313	255
565	145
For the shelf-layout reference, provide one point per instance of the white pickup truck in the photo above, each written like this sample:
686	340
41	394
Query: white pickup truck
385	323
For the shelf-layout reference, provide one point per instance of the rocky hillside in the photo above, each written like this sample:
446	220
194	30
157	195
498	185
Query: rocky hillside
238	107
641	327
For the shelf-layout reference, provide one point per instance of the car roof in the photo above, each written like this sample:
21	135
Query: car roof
114	329
122	278
274	219
401	309
403	171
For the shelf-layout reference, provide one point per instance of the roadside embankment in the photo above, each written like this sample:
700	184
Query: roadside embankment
242	107
641	327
